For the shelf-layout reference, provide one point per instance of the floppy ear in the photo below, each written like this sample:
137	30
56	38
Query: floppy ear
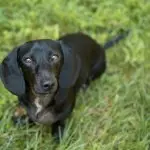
11	75
71	67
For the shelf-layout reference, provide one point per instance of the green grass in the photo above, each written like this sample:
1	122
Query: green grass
114	113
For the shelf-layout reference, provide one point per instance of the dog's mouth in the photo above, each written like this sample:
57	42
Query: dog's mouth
42	93
38	92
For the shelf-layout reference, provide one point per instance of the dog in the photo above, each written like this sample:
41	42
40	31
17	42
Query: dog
46	75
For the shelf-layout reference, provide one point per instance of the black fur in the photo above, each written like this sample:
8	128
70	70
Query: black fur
50	73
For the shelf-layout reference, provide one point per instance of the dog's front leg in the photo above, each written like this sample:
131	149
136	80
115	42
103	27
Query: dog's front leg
58	130
20	116
63	107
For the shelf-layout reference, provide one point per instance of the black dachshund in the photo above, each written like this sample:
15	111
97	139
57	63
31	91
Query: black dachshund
46	75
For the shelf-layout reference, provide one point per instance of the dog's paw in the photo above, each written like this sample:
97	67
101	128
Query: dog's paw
20	117
20	120
58	131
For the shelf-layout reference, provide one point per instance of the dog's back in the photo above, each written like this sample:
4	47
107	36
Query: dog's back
91	53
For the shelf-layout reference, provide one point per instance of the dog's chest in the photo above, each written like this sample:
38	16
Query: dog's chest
39	107
43	114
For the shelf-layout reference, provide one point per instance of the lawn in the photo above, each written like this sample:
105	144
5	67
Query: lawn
114	112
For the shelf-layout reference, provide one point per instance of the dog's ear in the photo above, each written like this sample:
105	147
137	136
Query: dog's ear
11	75
71	66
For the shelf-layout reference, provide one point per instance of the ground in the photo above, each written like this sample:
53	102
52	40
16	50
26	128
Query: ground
114	112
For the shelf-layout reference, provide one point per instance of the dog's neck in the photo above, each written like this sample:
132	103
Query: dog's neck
37	101
42	101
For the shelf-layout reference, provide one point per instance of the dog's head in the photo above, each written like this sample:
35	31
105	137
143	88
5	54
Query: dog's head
40	66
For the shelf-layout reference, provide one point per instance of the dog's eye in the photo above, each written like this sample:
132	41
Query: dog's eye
54	58
28	60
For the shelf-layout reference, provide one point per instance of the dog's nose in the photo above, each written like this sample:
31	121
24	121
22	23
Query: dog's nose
47	85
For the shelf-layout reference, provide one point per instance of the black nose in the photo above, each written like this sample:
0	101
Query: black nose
47	85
